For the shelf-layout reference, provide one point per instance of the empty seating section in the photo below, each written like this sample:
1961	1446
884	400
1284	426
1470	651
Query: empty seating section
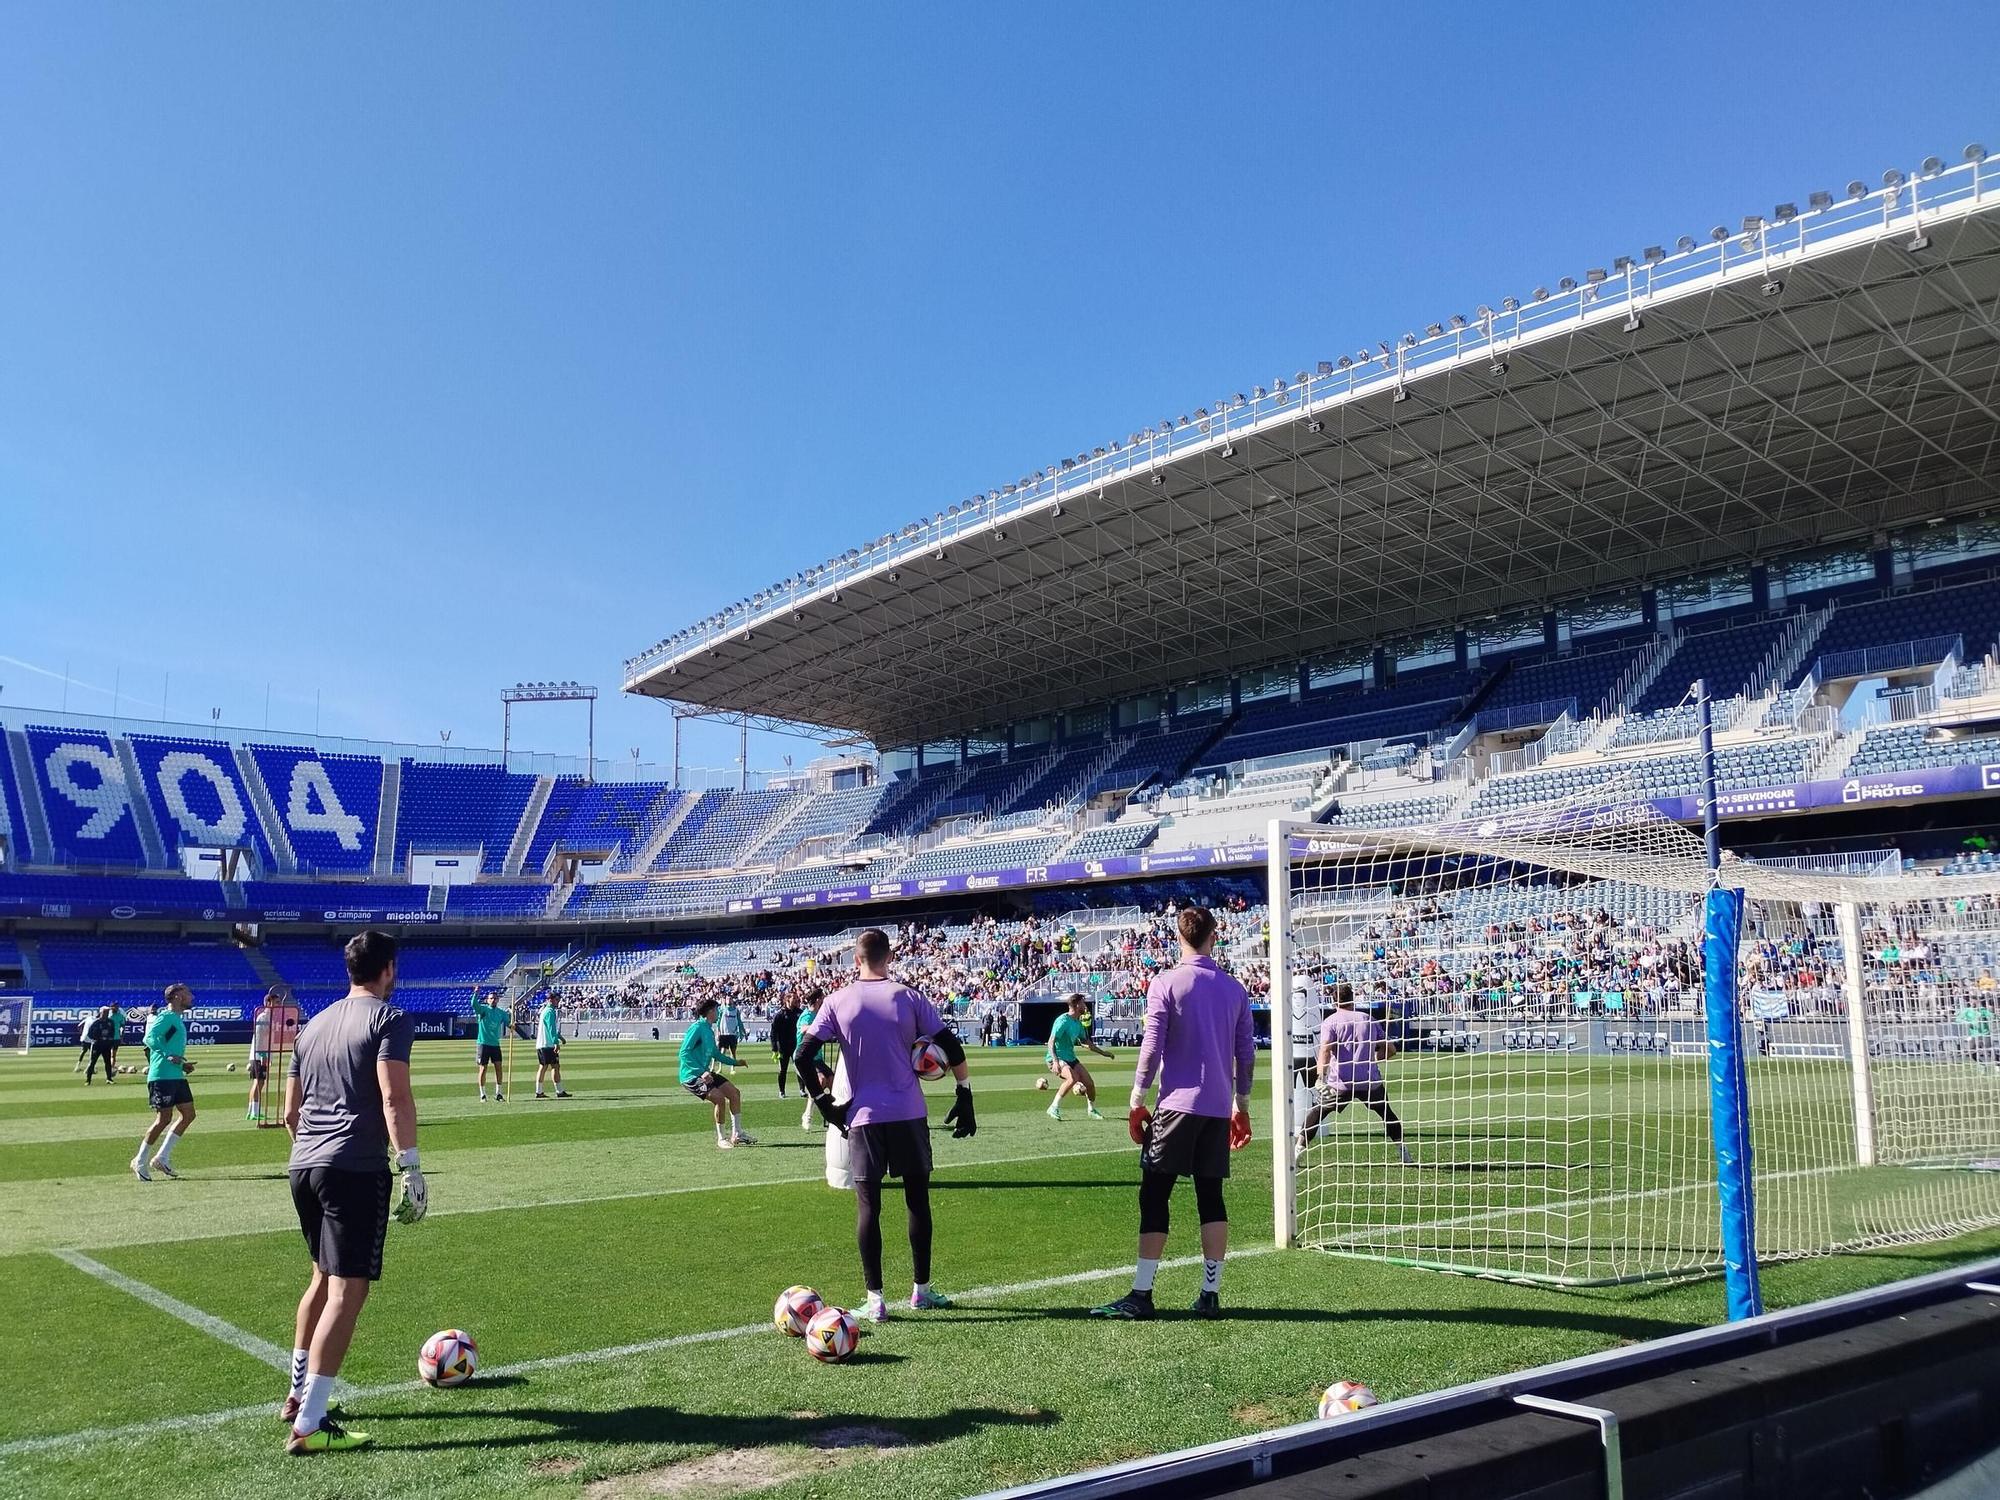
610	967
1971	610
984	787
85	797
1057	783
827	815
13	820
144	966
1396	812
1586	673
906	805
453	966
328	805
198	797
735	822
963	859
312	900
1725	658
460	808
1110	839
638	898
1772	763
591	817
1152	760
812	878
1903	747
483	902
1412	706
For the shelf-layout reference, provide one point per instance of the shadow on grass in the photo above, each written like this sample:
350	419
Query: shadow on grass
704	1431
983	1184
1572	1319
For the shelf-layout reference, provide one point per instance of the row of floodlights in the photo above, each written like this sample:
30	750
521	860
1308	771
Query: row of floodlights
1754	225
548	687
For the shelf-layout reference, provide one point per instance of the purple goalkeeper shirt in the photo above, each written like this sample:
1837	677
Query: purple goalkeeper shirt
1198	1039
1354	1039
877	1022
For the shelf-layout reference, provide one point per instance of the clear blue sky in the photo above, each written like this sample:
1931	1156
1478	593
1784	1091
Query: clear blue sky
392	354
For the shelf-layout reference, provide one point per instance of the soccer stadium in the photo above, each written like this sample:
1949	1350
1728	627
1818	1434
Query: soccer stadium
1588	698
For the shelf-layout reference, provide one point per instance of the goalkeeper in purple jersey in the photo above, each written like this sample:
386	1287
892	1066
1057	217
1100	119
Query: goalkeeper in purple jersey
877	1022
1352	1049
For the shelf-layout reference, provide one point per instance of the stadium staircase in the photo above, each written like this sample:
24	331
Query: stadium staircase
439	899
558	898
530	825
267	971
141	804
30	788
276	835
33	971
385	816
1640	676
649	852
1840	752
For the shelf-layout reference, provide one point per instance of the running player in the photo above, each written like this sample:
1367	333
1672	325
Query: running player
259	1065
347	1105
97	1032
548	1049
492	1022
877	1021
167	1088
1198	1040
1352	1049
700	1058
1064	1038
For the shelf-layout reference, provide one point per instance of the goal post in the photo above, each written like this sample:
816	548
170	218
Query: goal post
17	1023
1546	978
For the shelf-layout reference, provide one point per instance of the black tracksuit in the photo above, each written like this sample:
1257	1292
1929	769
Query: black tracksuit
784	1040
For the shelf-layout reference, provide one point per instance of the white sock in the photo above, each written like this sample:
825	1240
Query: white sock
1211	1275
736	1121
720	1133
299	1357
920	1291
145	1145
312	1404
166	1151
1142	1279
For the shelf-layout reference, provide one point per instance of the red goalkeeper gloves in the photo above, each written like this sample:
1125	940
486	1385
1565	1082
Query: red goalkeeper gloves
1239	1130
1138	1122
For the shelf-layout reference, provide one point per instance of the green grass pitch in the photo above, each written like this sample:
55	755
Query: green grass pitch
565	1233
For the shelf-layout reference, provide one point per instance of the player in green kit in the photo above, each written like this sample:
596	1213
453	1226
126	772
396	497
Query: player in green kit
1070	1032
1976	1016
167	1088
548	1049
702	1060
492	1021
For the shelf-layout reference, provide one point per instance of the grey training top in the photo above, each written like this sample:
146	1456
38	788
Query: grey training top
340	1111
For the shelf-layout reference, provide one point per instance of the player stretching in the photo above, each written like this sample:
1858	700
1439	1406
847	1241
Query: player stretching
700	1059
167	1088
1063	1039
1352	1049
347	1104
492	1022
1198	1036
548	1050
877	1021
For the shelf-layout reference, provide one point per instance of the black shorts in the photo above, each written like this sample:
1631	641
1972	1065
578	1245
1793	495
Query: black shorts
259	1069
705	1085
489	1052
546	1057
726	1041
1184	1145
1340	1095
168	1092
344	1216
894	1148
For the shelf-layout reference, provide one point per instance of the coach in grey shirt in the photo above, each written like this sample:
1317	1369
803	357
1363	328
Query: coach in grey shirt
347	1104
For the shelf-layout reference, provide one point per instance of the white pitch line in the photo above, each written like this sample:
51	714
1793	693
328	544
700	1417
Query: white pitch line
92	1436
173	1307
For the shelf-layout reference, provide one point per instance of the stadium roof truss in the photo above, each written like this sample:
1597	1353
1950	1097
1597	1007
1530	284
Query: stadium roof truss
1804	381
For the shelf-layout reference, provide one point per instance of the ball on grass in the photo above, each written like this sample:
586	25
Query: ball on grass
448	1358
832	1335
1344	1396
797	1306
230	1069
1041	1083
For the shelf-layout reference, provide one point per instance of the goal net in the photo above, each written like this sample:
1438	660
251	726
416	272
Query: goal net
1537	984
17	1023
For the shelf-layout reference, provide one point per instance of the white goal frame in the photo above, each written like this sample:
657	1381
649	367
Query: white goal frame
27	1004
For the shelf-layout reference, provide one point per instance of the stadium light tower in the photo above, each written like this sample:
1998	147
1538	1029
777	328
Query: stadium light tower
550	692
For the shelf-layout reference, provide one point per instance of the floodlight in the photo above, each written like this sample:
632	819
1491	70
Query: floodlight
1621	263
1386	350
1893	178
1300	378
1228	450
1653	254
1433	330
1540	294
1315	425
1458	320
1498	367
1752	223
1346	363
1567	284
1595	276
1857	189
1784	213
1772	287
1409	341
1975	153
1819	200
1684	244
1718	234
1510	304
1326	367
1158	480
1933	165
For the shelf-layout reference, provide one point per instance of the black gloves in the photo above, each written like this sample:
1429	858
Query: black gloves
960	1116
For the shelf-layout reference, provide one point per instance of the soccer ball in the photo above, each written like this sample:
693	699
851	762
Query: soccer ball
927	1057
1344	1396
1042	1083
797	1306
448	1358
230	1069
832	1335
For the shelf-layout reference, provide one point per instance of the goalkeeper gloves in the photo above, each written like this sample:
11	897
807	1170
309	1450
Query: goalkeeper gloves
834	1113
1239	1129
416	1199
1139	1122
960	1116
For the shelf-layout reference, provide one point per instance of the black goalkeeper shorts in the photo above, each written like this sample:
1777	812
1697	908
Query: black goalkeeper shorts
344	1216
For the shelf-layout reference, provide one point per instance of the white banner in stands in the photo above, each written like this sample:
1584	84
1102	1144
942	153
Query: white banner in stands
444	869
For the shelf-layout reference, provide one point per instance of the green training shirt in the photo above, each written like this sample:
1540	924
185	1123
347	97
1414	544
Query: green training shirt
699	1054
166	1034
492	1022
551	1032
1977	1021
1064	1037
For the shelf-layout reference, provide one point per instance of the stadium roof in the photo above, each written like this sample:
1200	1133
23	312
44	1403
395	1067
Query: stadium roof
1809	379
